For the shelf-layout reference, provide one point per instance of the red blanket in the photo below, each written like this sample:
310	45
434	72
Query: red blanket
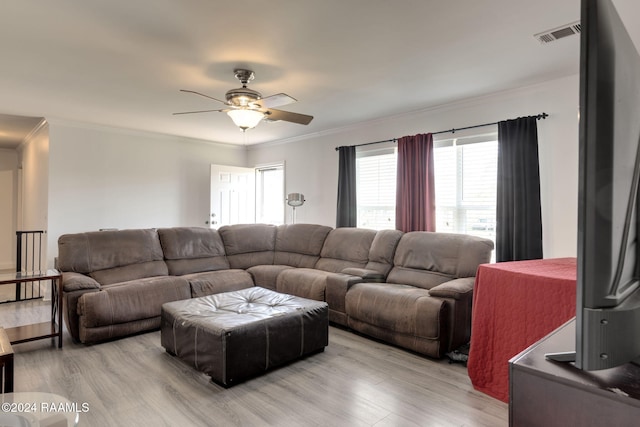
516	304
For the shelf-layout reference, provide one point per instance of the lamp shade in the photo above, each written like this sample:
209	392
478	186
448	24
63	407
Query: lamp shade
245	118
295	199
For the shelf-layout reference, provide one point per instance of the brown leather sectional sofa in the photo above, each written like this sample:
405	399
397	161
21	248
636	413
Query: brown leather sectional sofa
412	289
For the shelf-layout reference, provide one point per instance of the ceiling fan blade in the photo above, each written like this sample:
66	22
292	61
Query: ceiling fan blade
201	111
276	100
287	116
201	94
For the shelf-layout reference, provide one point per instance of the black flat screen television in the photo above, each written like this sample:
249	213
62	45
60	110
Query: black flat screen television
608	280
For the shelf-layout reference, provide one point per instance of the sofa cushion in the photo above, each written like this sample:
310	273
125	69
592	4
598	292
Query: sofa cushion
215	282
247	245
100	250
296	245
265	276
130	272
299	245
112	256
383	249
303	282
129	301
192	250
426	259
399	308
400	314
345	247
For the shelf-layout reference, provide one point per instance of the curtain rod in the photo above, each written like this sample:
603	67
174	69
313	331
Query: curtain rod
538	117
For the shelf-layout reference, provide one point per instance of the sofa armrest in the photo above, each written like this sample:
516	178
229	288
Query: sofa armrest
74	285
458	294
337	286
72	281
456	289
367	274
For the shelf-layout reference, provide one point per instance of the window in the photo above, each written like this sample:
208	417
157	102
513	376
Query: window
270	196
465	183
466	173
376	188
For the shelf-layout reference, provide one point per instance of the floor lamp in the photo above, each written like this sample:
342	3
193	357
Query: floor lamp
294	200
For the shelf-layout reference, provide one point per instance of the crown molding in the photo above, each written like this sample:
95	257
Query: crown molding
27	139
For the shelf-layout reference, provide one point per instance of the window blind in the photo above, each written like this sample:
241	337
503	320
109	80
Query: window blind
376	190
466	180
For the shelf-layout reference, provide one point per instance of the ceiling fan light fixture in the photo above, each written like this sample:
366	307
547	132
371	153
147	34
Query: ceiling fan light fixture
242	96
245	118
247	107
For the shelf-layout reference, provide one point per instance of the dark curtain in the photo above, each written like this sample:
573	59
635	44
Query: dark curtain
415	191
519	217
347	214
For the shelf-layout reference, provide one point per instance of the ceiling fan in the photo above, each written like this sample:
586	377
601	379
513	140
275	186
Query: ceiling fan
247	107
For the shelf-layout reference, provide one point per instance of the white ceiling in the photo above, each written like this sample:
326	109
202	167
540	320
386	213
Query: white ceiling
121	62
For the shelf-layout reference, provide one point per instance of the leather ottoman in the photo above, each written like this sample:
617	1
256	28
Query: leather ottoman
237	335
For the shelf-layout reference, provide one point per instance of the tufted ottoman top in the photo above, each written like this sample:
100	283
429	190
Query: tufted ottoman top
230	309
235	335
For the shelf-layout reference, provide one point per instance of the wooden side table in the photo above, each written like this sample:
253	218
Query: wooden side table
38	331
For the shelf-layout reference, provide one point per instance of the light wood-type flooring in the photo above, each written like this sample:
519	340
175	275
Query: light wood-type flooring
356	381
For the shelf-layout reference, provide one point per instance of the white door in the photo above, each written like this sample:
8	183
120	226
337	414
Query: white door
232	195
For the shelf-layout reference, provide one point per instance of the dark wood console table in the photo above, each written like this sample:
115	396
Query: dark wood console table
547	393
37	331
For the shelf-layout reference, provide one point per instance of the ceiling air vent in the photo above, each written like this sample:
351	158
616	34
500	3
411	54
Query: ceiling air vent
559	33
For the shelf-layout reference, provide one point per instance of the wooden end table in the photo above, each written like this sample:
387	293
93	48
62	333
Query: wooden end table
38	331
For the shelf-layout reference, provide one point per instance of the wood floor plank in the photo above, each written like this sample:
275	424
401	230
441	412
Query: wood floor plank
356	381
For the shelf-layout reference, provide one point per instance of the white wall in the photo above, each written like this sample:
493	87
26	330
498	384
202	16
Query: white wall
312	163
7	219
102	177
8	159
8	191
33	201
